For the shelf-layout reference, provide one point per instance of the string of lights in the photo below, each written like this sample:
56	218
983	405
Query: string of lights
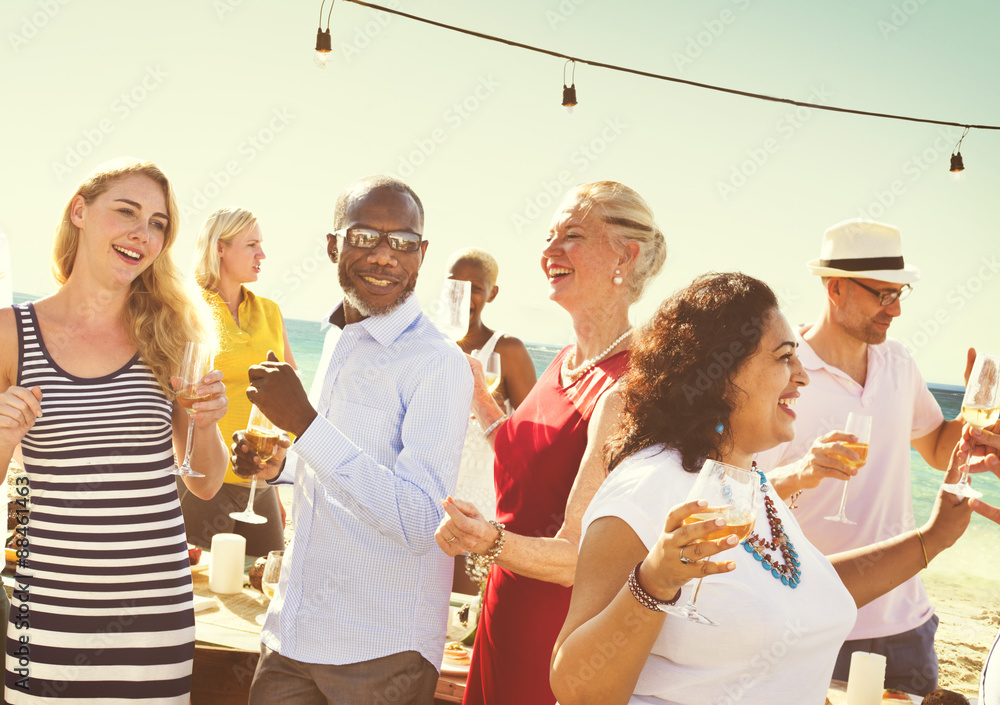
569	92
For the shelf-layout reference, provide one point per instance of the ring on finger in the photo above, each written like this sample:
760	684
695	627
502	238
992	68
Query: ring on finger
685	560
451	540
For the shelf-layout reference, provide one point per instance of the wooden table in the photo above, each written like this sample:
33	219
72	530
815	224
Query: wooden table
227	648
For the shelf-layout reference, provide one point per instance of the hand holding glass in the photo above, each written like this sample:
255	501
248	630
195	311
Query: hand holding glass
262	436
196	363
491	371
859	426
732	494
980	408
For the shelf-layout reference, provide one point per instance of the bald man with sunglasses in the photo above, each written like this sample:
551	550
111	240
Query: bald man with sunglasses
855	367
362	604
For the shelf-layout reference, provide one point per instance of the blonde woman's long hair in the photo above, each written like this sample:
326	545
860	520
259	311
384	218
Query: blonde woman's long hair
221	226
160	315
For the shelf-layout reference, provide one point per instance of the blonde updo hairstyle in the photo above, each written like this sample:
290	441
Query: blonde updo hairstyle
630	218
160	316
221	226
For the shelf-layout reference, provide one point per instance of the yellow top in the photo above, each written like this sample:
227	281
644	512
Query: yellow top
260	329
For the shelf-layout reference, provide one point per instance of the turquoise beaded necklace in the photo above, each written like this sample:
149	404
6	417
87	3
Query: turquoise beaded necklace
788	571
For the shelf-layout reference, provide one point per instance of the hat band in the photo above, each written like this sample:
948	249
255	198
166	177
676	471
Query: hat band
863	264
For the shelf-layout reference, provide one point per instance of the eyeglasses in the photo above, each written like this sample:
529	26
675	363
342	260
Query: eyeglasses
887	298
369	239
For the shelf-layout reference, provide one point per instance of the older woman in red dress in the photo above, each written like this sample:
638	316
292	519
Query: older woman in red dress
602	248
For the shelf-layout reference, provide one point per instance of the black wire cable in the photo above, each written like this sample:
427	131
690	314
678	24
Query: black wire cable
672	79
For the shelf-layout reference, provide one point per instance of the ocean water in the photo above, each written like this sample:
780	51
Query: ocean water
307	344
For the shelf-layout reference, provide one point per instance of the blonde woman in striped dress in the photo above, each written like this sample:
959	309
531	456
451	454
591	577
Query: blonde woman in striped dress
102	608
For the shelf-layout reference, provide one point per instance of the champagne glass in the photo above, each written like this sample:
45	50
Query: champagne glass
272	573
980	408
859	426
491	371
196	363
452	317
732	494
262	437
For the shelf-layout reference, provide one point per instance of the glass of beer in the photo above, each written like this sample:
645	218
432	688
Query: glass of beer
262	436
196	363
859	426
732	494
980	408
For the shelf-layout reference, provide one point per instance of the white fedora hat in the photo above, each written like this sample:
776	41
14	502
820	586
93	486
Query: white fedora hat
863	249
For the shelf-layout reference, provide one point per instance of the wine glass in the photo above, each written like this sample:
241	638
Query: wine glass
262	437
196	363
452	317
980	408
859	426
272	573
491	371
732	494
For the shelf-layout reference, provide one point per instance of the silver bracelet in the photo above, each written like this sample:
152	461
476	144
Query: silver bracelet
493	426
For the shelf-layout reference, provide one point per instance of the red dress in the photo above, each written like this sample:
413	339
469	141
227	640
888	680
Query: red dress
538	454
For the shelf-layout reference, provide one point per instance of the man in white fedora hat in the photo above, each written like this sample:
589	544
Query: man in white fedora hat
854	367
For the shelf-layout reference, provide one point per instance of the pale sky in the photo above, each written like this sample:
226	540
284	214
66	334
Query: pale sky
223	95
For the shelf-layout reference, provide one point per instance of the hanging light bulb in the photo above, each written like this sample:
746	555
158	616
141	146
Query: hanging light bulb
323	55
324	44
957	163
569	92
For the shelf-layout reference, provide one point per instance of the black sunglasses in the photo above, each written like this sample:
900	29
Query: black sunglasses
369	238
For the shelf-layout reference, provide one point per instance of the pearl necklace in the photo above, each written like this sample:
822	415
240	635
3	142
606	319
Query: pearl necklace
589	364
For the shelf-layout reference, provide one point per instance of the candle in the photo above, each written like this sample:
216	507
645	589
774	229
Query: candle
866	680
225	573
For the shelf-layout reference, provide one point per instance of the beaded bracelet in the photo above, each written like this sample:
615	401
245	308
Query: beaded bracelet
477	567
643	597
493	426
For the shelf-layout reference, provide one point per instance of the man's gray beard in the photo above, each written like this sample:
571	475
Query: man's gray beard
354	300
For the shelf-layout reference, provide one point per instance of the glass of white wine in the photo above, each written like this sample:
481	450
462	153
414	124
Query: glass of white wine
732	494
491	371
272	573
980	408
860	426
196	363
452	316
262	436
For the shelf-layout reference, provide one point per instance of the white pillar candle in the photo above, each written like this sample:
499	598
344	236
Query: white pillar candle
866	680
225	573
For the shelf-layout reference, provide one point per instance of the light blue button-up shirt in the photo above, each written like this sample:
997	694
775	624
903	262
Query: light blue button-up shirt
363	577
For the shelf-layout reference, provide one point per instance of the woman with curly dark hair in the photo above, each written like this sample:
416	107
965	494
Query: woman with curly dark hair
714	376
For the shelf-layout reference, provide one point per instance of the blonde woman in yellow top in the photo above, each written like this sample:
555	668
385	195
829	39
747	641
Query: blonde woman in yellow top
228	254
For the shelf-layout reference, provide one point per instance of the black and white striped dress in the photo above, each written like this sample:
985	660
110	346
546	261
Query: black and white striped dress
102	612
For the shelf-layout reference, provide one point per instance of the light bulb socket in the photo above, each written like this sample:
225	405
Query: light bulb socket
956	162
323	42
569	96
